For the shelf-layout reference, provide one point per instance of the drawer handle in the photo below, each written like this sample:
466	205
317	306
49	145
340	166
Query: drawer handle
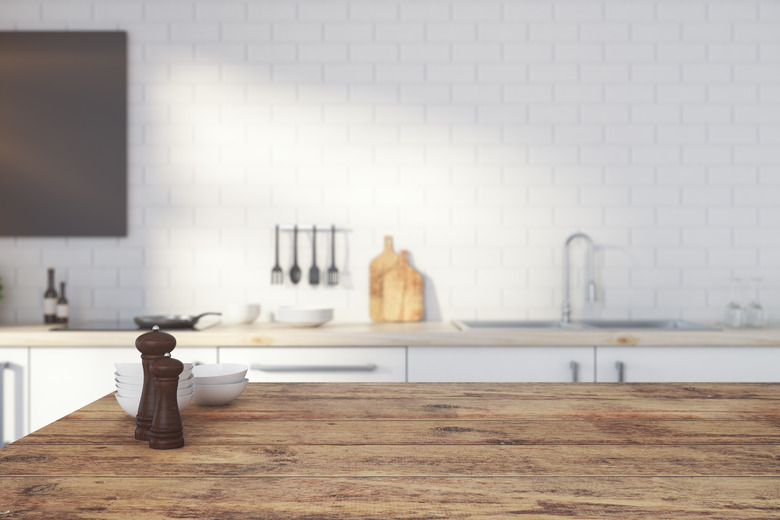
3	366
18	400
621	370
368	367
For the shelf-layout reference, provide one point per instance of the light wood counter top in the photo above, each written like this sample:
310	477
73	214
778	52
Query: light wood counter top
389	334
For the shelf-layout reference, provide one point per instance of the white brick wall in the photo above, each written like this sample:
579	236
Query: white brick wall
477	133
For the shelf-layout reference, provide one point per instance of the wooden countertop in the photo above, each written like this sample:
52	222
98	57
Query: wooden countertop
385	451
389	334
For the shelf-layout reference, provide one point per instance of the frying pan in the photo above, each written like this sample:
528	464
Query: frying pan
171	321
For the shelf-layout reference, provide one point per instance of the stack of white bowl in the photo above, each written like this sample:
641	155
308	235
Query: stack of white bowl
219	383
129	379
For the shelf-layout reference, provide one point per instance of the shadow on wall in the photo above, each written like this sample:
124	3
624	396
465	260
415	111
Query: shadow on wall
432	309
431	306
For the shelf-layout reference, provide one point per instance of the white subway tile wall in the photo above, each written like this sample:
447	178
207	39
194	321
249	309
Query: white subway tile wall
478	133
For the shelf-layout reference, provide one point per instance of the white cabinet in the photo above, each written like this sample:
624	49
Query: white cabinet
501	364
320	364
14	405
63	379
688	364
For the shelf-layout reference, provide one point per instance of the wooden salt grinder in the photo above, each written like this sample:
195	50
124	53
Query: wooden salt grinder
166	432
153	347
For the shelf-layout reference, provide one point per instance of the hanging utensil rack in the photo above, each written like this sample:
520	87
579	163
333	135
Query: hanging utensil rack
330	270
327	227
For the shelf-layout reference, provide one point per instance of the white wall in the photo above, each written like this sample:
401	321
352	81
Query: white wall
478	133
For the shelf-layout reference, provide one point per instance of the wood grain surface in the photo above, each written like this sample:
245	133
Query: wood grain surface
402	292
384	450
377	268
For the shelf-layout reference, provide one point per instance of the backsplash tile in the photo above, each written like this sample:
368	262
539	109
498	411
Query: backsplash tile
479	134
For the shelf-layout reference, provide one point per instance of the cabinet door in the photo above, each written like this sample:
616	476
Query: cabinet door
320	364
14	403
501	364
688	364
63	379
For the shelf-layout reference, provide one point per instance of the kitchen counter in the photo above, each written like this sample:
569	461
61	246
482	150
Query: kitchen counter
390	334
380	451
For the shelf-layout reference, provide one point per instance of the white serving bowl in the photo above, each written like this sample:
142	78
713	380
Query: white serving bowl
135	391
139	380
136	369
138	386
240	313
216	395
130	404
303	316
219	373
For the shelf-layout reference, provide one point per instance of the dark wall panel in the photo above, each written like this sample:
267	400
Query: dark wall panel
63	133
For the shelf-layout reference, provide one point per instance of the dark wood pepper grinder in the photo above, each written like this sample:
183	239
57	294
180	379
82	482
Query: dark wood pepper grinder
166	432
153	347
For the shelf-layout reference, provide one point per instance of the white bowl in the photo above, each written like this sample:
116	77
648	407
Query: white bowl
303	317
135	391
240	313
136	369
216	395
219	373
139	380
130	404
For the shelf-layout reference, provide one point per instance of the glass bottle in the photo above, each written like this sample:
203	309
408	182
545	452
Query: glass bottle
62	306
734	314
50	300
754	312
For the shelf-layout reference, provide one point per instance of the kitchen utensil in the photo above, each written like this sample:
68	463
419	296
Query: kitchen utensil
333	273
402	292
314	272
377	269
171	321
277	275
303	317
295	271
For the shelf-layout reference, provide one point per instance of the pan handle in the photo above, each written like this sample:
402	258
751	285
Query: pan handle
199	316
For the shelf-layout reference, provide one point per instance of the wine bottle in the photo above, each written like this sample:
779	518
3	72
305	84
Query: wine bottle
50	300
62	306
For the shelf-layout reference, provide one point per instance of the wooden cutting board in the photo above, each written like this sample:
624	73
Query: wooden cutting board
379	266
402	292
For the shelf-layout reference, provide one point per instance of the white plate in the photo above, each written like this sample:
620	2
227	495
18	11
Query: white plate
303	316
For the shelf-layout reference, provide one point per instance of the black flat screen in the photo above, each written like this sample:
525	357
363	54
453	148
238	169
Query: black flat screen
63	133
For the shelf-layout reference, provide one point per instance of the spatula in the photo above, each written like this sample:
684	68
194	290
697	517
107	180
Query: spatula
295	272
314	272
333	272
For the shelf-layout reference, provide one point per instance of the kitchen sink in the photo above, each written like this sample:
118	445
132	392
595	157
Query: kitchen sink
465	325
679	325
645	324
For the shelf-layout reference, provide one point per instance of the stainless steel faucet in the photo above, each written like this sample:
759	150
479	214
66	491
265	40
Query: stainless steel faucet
591	293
